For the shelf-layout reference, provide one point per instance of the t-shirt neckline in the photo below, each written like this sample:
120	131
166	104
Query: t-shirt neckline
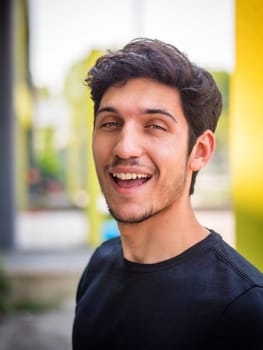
186	255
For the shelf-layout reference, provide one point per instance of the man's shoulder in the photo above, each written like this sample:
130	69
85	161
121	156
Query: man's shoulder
237	264
109	247
239	290
107	252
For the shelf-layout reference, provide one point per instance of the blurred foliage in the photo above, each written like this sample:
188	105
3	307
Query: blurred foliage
47	157
5	288
222	79
48	164
47	174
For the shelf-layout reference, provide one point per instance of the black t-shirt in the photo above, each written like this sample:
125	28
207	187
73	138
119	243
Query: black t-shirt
208	297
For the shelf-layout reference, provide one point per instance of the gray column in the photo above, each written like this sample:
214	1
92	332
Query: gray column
7	191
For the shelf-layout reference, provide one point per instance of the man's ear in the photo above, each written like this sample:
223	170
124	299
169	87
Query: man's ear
202	151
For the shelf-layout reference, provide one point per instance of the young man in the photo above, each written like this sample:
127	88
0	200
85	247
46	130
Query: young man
167	282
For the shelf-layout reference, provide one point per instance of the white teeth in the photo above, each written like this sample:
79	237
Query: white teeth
129	176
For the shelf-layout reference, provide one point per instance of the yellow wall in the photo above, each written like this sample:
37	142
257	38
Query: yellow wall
246	136
82	126
95	216
22	102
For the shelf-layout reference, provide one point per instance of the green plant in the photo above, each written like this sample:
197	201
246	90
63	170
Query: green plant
5	288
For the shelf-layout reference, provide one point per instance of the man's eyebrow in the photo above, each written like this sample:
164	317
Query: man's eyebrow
106	109
147	111
160	111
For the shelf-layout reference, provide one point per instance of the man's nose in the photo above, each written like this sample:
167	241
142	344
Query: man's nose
129	143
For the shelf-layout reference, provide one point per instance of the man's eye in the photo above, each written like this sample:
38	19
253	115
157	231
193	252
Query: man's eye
156	126
110	125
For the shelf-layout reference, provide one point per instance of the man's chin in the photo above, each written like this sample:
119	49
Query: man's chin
130	219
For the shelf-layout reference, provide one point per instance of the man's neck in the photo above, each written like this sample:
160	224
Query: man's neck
163	236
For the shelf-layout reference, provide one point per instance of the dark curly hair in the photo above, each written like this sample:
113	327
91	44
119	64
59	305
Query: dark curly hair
162	62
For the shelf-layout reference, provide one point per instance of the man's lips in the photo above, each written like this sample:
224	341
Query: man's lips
129	174
129	180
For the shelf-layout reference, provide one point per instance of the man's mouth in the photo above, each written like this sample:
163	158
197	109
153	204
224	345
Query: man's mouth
130	179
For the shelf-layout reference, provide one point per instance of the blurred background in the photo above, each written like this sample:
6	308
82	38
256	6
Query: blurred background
64	38
52	214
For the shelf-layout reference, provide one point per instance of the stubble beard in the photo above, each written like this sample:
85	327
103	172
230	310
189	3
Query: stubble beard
147	214
132	219
171	196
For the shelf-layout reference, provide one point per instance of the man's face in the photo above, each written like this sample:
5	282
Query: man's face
140	147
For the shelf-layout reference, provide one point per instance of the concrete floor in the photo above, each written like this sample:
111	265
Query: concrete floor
48	330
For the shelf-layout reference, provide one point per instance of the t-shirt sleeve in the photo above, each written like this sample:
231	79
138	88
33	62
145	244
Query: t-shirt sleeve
241	325
84	277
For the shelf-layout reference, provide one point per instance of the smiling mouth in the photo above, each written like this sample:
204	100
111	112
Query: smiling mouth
130	179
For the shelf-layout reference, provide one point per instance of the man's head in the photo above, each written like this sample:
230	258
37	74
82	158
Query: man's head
164	63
